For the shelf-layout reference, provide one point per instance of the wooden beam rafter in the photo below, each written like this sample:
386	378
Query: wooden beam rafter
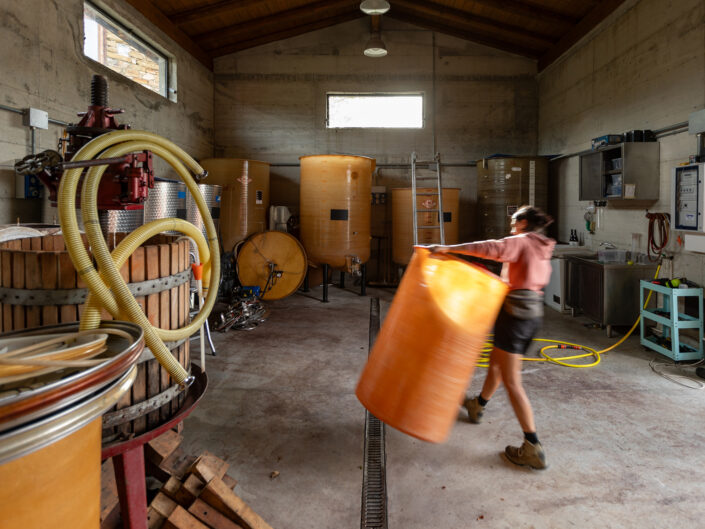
590	21
160	20
485	40
516	7
218	9
465	20
282	21
284	34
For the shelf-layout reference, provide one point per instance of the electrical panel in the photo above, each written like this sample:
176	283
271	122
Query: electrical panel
27	186
688	198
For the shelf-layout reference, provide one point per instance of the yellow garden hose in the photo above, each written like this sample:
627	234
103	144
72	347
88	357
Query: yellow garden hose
559	344
108	288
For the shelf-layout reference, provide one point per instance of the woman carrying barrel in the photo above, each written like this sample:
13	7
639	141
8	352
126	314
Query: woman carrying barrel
526	254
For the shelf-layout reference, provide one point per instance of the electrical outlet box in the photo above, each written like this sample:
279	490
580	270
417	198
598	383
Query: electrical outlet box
39	119
696	122
694	243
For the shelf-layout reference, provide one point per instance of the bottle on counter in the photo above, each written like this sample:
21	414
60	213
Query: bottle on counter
573	241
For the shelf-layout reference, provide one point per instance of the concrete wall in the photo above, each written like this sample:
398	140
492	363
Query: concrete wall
43	66
271	104
643	68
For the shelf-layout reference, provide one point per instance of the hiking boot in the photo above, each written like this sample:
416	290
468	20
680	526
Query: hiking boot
528	455
475	410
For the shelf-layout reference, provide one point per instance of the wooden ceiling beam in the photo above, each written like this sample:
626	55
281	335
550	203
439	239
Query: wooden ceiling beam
282	21
516	7
587	24
218	9
285	34
456	17
159	19
499	44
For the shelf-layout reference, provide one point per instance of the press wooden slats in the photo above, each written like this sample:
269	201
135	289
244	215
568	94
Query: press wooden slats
50	281
139	388
165	318
33	278
67	280
153	368
43	263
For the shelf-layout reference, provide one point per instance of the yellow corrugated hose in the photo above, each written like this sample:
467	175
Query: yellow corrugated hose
484	360
108	288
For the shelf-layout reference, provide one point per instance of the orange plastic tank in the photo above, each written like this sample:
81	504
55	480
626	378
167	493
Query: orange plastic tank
425	354
336	192
402	219
245	196
50	431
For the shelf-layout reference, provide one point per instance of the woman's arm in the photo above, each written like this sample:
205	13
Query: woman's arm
503	250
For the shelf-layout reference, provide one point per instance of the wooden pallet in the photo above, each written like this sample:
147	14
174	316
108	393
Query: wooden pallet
197	492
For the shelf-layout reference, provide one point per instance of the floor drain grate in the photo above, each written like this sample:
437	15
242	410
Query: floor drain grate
374	476
374	481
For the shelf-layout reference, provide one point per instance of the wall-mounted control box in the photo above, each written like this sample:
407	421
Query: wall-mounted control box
688	197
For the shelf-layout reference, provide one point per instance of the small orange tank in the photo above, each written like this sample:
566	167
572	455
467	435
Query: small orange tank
425	354
403	219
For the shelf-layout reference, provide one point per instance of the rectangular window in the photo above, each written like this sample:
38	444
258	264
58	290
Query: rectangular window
113	45
398	111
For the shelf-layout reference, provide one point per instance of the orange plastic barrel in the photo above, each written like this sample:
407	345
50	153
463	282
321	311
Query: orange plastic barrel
50	434
425	354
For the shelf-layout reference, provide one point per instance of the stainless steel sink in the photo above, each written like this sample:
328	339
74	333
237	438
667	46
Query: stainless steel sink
606	292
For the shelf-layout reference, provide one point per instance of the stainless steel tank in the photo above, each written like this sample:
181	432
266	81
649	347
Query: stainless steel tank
111	221
211	194
120	220
167	200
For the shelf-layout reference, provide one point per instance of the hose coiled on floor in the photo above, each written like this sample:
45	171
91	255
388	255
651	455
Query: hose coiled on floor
108	288
484	360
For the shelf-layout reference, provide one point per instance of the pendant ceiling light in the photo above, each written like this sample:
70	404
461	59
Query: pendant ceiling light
374	7
375	47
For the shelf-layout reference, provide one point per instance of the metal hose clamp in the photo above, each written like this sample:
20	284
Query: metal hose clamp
187	382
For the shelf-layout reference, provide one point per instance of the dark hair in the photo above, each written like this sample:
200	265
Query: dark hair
536	219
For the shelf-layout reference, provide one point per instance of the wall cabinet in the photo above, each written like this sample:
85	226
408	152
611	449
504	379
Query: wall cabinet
628	171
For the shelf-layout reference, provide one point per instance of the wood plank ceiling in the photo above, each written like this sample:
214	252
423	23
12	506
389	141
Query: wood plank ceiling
540	29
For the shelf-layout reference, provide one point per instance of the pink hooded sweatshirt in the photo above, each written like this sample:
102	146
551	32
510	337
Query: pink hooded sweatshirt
526	258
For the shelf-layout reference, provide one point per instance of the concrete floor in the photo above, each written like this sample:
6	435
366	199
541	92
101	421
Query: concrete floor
626	447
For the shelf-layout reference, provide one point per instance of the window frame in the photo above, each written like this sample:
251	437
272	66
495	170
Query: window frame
419	93
120	23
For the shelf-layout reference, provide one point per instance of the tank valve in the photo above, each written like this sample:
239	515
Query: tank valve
353	264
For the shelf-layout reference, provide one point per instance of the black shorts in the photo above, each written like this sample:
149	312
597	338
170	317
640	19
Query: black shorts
514	335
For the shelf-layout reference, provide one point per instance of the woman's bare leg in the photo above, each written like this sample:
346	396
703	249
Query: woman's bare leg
510	372
494	375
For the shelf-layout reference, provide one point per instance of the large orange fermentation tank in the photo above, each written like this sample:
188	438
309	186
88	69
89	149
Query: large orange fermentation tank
336	191
425	353
245	198
402	219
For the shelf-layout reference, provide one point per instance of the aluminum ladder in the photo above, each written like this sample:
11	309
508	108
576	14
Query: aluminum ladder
434	166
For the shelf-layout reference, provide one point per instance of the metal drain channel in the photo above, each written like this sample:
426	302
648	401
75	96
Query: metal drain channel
374	475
